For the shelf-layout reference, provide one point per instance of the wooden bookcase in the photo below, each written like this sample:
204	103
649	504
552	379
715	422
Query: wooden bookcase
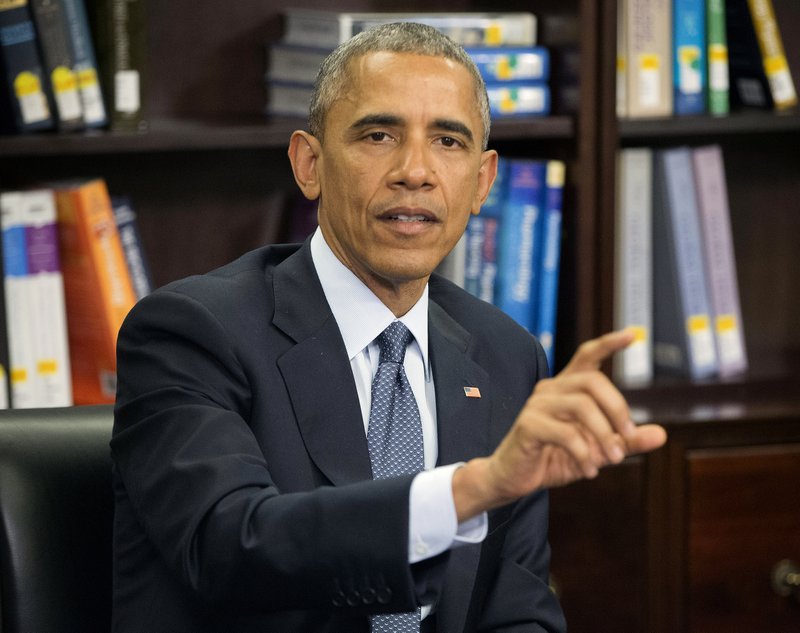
210	180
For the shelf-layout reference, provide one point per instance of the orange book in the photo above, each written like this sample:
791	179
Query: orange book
97	285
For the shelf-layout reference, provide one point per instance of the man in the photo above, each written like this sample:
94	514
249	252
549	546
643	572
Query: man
249	494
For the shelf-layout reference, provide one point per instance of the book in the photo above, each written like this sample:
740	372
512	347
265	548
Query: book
452	266
17	286
99	292
52	378
773	57
547	297
720	259
474	237
328	29
492	212
683	339
521	98
520	238
119	30
689	56
291	63
288	99
648	34
23	82
622	64
131	240
718	101
633	270
497	65
52	34
5	393
757	80
86	71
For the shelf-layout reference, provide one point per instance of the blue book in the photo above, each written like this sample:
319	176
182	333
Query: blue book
94	110
519	240
474	236
547	302
125	218
683	337
519	98
689	56
512	63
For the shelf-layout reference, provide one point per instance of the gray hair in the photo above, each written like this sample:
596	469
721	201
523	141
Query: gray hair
399	37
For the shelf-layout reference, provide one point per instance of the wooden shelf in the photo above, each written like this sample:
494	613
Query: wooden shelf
170	135
750	122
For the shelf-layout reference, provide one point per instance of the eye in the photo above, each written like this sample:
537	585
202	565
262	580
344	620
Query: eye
449	141
378	136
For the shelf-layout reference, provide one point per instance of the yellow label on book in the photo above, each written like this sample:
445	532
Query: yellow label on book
26	84
503	68
87	77
639	333
718	53
12	4
494	35
775	64
726	322
47	367
649	61
64	80
697	323
19	375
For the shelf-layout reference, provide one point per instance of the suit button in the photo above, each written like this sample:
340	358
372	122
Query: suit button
353	598
368	596
384	596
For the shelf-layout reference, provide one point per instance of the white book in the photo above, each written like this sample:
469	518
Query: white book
328	29
633	278
52	379
18	288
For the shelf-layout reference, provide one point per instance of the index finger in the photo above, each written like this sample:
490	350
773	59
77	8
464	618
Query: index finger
592	353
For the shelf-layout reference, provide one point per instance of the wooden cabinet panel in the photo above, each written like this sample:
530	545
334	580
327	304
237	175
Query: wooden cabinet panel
743	517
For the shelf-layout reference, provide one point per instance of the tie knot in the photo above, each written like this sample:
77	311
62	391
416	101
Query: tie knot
393	342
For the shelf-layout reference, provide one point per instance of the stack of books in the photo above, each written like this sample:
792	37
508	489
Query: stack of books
510	253
689	57
72	267
503	46
676	281
68	65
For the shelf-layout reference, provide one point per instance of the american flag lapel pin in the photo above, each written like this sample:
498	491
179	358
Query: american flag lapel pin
472	392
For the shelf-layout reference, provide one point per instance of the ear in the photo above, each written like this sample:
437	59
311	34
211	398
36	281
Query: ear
304	150
486	177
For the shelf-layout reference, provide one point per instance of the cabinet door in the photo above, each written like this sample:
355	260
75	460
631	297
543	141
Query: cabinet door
743	518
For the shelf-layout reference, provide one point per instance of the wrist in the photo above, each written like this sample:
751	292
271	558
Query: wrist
473	492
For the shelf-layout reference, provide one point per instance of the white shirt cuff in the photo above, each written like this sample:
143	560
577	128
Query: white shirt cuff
433	526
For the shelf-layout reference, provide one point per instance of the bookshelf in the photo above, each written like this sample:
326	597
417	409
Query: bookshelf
210	180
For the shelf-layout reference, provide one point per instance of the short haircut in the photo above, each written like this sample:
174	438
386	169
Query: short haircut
334	76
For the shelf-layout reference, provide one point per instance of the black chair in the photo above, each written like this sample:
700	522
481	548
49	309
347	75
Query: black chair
56	512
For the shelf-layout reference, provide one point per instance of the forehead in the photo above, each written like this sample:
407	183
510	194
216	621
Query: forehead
409	84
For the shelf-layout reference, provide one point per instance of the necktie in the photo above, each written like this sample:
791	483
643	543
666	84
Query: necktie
394	438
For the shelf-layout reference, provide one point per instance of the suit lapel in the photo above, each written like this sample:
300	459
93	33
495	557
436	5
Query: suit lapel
317	373
463	429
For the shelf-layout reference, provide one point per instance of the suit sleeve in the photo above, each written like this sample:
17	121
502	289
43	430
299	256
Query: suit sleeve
199	485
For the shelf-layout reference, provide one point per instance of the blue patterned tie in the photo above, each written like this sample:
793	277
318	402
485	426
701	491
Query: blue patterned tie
394	438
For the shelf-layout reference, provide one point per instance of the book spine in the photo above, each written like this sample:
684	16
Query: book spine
24	79
689	56
59	62
649	38
139	271
773	56
473	264
17	287
290	63
119	28
488	280
718	80
547	303
519	99
452	267
99	292
622	61
5	394
720	259
633	286
519	241
86	71
512	64
681	224
53	386
748	80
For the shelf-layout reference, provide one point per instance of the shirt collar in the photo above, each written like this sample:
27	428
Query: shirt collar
361	316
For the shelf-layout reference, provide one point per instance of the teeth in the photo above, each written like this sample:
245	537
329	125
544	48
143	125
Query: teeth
409	218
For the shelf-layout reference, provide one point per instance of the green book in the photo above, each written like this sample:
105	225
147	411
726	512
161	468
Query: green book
718	79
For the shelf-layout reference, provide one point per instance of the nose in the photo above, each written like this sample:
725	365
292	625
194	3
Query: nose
414	168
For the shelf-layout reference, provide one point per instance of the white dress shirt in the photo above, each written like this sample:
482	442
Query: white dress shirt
361	317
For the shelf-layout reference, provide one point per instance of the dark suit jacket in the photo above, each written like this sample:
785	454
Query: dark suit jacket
244	499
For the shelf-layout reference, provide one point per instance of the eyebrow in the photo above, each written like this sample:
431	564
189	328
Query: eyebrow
446	125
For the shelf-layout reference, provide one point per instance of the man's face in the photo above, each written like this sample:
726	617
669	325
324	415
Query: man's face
401	167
